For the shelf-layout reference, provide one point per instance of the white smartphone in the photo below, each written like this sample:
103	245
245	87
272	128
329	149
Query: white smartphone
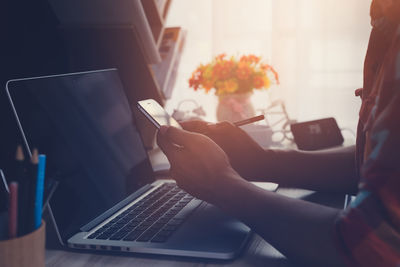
156	114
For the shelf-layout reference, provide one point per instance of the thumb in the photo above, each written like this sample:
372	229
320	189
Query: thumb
177	136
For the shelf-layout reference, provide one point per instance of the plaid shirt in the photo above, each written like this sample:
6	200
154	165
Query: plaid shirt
368	231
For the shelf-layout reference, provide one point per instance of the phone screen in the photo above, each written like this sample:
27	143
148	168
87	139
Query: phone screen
157	114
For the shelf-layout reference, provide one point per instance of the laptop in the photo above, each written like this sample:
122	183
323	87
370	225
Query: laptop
107	198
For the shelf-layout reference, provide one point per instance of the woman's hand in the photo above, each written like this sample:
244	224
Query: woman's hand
198	165
246	156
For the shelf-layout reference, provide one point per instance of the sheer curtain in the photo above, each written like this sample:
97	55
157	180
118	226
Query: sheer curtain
318	48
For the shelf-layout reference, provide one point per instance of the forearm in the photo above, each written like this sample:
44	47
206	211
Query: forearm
302	231
331	170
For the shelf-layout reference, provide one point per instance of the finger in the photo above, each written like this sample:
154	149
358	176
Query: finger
177	136
195	126
169	149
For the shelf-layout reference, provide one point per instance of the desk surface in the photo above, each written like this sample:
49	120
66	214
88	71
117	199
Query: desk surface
257	253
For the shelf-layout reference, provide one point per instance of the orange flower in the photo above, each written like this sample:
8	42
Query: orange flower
208	85
244	59
228	86
266	67
275	75
258	82
230	75
222	70
267	82
221	56
243	71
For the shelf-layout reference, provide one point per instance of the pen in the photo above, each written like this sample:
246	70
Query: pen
250	120
13	210
237	123
39	191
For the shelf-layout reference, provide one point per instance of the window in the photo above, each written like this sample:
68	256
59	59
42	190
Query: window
318	48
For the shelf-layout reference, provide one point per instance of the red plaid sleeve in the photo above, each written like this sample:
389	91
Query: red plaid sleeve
368	232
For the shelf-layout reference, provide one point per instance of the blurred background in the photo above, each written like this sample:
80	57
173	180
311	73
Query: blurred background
317	47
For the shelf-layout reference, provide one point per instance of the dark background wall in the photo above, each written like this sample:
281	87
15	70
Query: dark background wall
33	43
30	46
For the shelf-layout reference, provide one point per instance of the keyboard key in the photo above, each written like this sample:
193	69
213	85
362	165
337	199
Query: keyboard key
146	223
164	233
134	223
92	236
165	208
142	227
103	236
146	236
119	235
109	232
163	219
132	236
157	225
159	239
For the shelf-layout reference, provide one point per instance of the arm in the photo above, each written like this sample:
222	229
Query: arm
331	170
327	170
300	230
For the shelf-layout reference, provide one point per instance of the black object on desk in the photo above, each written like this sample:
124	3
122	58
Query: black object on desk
317	134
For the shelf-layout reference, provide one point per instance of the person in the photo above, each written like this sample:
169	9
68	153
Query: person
217	167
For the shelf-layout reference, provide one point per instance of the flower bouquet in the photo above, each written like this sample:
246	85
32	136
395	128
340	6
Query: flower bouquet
234	79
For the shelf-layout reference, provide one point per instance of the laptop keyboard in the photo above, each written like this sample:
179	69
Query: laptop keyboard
153	219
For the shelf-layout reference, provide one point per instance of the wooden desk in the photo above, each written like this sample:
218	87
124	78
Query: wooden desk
257	253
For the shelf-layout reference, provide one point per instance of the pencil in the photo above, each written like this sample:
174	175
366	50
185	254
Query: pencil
250	120
32	182
13	210
23	188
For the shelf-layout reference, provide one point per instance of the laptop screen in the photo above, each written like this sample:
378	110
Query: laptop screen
84	124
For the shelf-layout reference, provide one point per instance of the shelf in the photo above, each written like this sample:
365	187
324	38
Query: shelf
170	50
156	12
99	47
126	35
130	13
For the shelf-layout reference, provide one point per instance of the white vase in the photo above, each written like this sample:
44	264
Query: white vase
234	107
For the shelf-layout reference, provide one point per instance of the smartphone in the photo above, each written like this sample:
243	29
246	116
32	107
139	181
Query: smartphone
156	114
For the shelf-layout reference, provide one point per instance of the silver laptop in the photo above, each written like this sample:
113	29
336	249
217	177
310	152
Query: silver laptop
107	198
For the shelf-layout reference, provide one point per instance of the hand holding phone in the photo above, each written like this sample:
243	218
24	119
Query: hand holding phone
156	114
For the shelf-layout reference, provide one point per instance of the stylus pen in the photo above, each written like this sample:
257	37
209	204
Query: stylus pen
250	120
238	123
13	210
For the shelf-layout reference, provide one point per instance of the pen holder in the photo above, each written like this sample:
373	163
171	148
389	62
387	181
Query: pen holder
27	250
